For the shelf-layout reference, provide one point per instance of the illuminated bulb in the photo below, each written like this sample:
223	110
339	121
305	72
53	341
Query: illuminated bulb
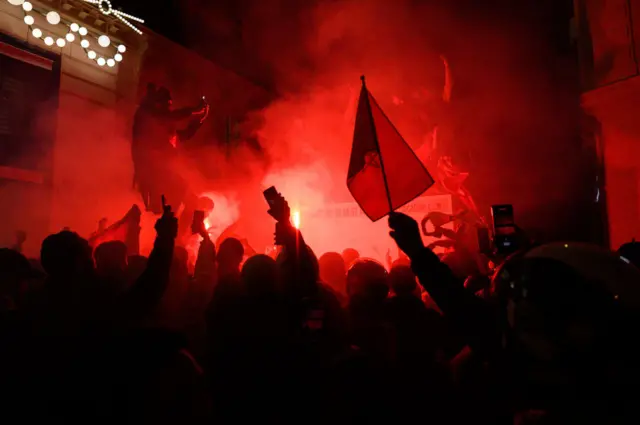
101	5
48	41
74	27
16	2
118	57
101	61
53	18
111	63
122	48
60	42
83	31
91	54
70	37
37	33
28	7
104	41
84	43
29	20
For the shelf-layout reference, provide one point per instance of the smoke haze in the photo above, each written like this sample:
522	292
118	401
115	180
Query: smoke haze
511	122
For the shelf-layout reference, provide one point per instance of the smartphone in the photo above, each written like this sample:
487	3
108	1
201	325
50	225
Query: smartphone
504	229
484	241
271	195
197	224
502	215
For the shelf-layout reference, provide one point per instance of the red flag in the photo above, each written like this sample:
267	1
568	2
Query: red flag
384	173
126	230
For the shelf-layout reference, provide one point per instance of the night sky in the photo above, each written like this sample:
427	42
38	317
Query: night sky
161	16
166	17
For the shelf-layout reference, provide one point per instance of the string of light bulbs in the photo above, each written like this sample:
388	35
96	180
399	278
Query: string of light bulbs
76	31
106	9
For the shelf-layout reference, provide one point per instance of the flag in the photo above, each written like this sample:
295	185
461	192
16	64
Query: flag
126	230
384	173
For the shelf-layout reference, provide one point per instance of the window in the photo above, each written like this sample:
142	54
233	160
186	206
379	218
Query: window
28	113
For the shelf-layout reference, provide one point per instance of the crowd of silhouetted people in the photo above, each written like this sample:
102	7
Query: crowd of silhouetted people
99	336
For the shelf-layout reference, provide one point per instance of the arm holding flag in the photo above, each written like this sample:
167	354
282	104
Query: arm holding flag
469	314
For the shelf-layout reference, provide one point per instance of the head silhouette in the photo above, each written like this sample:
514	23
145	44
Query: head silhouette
66	255
230	255
402	280
350	255
367	278
111	258
260	275
333	271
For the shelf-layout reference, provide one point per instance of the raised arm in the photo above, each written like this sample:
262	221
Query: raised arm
471	316
185	113
150	287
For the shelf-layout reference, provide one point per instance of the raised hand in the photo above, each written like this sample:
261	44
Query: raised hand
406	232
280	210
205	114
167	225
202	108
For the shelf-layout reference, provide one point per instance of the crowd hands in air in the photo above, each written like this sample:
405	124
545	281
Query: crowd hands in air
99	337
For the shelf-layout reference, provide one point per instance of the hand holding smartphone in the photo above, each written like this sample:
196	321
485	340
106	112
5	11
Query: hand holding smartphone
278	206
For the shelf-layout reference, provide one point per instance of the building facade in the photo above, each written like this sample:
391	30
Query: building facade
71	74
608	32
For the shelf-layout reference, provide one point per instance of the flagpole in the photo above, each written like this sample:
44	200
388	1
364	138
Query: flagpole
375	138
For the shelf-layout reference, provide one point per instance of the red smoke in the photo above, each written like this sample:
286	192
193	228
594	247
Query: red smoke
509	122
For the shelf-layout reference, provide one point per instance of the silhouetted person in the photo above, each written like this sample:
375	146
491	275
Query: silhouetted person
21	238
156	136
230	256
350	255
15	274
333	272
111	263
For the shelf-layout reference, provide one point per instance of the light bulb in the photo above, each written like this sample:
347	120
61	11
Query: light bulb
74	27
92	55
48	41
118	57
29	20
60	42
83	31
84	43
101	61
37	33
122	48
70	37
53	18
28	7
111	63
104	41
16	2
